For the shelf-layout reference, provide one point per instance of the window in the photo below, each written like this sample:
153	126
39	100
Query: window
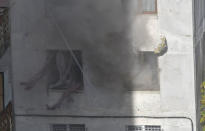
64	76
143	128
59	127
152	128
69	127
149	6
134	128
147	77
1	92
144	6
76	127
64	70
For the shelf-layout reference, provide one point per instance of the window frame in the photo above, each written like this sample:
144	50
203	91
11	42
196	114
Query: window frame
152	12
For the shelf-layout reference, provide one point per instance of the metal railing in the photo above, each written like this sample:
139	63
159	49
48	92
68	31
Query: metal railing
6	122
4	30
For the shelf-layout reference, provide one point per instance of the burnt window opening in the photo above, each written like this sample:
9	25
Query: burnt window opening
65	71
64	77
147	77
62	69
143	128
68	127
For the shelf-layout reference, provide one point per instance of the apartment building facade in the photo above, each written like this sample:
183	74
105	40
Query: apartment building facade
93	65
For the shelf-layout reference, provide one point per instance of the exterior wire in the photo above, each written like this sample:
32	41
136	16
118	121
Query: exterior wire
110	117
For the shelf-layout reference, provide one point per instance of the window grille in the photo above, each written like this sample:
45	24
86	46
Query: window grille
68	127
59	127
76	127
143	128
152	128
4	30
134	128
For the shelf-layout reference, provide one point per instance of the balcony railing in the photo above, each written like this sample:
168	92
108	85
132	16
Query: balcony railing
4	30
6	121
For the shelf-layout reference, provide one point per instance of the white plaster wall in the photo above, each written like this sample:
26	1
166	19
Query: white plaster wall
177	66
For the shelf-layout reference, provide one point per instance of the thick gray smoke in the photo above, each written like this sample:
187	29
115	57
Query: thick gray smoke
103	30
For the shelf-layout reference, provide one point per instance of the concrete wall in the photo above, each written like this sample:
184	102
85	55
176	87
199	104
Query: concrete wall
110	34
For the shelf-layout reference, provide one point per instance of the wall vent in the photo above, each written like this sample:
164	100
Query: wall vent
143	128
68	127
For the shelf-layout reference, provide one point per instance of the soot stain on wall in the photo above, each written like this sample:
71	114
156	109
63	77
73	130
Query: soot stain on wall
103	31
62	73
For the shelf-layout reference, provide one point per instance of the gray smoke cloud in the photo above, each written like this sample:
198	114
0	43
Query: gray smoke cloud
103	30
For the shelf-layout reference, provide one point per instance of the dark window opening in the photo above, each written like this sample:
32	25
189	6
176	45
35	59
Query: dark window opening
64	70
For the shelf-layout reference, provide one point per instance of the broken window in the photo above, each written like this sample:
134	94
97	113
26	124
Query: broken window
64	77
65	70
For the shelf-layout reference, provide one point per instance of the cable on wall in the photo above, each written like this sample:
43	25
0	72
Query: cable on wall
110	117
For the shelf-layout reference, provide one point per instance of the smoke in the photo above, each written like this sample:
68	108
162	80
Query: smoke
105	31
